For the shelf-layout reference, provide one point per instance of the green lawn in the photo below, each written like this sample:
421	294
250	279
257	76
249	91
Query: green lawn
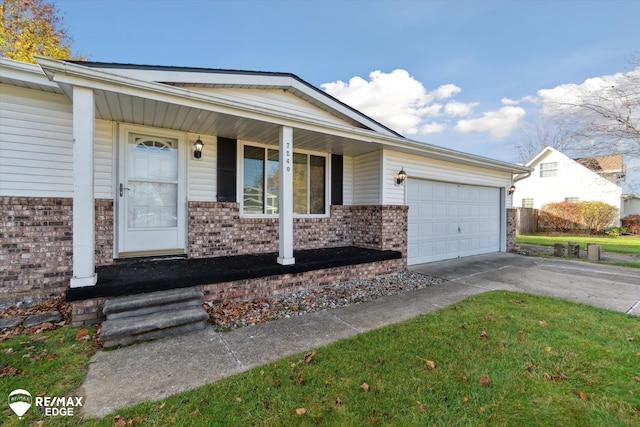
622	244
50	363
499	358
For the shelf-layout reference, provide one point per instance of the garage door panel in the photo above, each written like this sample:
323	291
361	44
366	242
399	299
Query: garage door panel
440	210
439	191
449	220
440	229
426	209
426	229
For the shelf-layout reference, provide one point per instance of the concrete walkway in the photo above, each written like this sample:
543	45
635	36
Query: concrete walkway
155	370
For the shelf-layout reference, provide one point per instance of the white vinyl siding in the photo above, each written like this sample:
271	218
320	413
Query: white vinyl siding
36	149
103	155
203	177
35	144
366	179
276	100
347	183
437	170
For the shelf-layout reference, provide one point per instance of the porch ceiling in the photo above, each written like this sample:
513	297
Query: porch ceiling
119	107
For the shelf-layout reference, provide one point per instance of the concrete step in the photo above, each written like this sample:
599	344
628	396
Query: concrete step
131	303
159	324
153	315
150	309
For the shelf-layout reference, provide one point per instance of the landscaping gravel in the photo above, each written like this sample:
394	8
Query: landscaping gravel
231	315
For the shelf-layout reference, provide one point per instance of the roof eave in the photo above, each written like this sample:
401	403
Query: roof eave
225	77
66	73
26	72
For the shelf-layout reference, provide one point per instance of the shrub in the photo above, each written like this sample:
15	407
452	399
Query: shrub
597	216
632	223
573	216
616	231
560	216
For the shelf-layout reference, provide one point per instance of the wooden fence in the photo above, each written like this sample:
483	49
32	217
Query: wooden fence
526	220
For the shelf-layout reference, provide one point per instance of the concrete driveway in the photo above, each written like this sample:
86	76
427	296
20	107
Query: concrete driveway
611	287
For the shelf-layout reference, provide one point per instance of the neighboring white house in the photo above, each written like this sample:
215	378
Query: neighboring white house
558	178
98	163
630	205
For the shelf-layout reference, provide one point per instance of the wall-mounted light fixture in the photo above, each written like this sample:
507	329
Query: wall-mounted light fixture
401	176
511	189
197	148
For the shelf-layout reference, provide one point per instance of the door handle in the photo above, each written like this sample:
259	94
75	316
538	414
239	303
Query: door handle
122	188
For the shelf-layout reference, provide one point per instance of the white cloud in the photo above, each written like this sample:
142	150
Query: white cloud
459	109
558	99
395	99
446	91
509	101
402	103
432	127
499	123
432	110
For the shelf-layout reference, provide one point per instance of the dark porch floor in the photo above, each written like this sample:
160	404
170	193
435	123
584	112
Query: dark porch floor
149	275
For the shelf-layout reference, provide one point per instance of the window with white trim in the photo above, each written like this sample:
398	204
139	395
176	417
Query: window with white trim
527	203
548	169
572	199
261	182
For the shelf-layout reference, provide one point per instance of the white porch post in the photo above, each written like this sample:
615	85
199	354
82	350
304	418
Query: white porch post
285	197
84	269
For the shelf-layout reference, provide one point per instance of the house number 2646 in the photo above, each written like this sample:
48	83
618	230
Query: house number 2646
288	157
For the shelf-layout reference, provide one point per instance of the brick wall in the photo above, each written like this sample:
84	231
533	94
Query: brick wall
395	228
216	229
90	311
104	231
87	312
281	284
512	220
36	246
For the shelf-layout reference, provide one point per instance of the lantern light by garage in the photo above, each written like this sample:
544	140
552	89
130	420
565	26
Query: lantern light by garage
401	176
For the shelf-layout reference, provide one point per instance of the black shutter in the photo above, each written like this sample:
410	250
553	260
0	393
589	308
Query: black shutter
336	179
227	169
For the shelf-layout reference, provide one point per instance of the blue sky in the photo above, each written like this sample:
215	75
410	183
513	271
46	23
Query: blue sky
468	69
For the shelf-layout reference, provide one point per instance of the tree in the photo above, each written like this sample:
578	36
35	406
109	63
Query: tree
33	27
606	113
554	132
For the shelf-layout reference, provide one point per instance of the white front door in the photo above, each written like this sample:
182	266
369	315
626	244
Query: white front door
150	193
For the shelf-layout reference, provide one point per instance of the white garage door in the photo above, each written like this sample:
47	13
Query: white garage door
451	220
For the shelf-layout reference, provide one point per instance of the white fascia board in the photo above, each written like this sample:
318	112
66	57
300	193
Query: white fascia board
72	74
26	72
540	154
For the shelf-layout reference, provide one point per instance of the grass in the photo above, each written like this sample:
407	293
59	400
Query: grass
51	363
501	358
621	244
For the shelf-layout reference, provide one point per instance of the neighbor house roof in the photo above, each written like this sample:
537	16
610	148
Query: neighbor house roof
608	163
611	166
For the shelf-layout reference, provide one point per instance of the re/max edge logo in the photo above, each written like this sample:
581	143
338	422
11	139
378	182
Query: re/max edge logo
21	400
